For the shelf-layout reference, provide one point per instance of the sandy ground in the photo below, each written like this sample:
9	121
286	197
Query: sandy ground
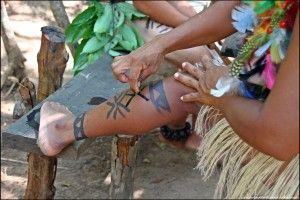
162	171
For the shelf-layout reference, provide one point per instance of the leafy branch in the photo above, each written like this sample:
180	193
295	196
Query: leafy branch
103	28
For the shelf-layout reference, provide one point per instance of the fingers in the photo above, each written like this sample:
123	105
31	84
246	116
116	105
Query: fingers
116	59
120	74
120	67
186	80
191	69
190	97
207	62
133	77
145	73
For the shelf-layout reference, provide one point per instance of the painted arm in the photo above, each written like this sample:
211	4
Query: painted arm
162	12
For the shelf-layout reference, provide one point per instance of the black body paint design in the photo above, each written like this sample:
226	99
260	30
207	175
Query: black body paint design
78	128
159	100
117	105
96	101
133	94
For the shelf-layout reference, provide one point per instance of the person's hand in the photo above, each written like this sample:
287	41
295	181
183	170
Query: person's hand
138	65
202	78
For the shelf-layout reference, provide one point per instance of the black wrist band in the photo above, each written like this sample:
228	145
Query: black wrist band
78	128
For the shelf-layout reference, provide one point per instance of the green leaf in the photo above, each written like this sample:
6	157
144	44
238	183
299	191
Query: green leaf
129	10
99	8
104	21
114	53
120	19
118	48
95	56
88	32
70	32
128	35
95	44
84	16
111	44
92	45
139	14
79	69
78	50
139	38
81	60
126	45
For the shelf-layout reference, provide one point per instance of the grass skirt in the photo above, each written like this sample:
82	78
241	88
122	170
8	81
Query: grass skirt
246	172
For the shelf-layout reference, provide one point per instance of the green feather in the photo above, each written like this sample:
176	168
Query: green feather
246	51
275	57
263	6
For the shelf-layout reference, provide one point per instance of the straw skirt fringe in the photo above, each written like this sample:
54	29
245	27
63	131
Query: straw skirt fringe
246	173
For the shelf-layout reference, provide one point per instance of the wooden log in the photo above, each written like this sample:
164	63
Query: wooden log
123	158
52	59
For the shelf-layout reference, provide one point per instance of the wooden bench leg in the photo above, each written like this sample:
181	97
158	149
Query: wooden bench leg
123	158
52	59
41	176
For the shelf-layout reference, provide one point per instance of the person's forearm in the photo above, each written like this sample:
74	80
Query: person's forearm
162	12
272	126
211	25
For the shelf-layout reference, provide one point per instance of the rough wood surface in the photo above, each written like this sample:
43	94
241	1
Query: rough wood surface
41	176
26	98
52	59
123	158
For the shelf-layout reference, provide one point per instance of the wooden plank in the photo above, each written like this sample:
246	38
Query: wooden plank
95	81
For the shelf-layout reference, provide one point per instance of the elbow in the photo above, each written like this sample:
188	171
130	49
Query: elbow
280	144
284	152
284	155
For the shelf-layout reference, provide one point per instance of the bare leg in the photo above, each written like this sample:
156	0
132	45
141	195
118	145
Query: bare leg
157	104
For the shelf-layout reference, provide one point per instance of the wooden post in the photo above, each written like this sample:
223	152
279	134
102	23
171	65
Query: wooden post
52	59
123	158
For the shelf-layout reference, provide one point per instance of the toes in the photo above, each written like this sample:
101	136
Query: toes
59	107
46	106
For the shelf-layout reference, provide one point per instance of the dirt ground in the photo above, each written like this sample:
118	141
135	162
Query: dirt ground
162	171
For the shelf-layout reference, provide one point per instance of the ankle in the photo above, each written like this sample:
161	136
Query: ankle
66	128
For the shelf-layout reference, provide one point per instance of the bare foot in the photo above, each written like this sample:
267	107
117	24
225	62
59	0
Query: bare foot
56	128
191	144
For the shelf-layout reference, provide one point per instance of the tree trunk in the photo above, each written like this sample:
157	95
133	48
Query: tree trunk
123	158
15	57
52	59
61	17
